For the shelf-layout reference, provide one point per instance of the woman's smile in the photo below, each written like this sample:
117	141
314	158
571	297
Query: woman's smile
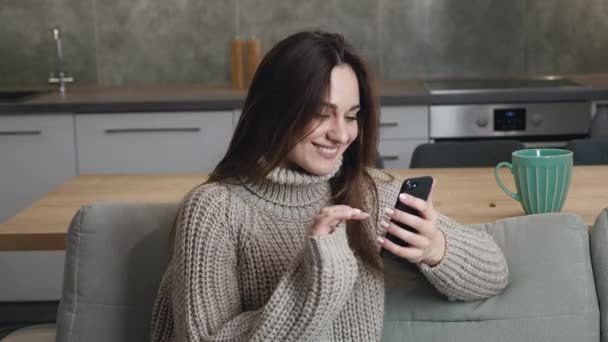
327	152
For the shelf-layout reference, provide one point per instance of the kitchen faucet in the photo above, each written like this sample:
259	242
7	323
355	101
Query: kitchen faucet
61	79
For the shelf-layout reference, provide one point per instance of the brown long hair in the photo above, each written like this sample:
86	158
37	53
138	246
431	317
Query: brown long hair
286	93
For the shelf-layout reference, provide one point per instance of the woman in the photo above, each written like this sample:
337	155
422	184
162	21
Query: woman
282	243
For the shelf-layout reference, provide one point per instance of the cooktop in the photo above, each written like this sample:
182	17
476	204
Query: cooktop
498	84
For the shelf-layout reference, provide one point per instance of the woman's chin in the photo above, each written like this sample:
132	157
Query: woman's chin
320	168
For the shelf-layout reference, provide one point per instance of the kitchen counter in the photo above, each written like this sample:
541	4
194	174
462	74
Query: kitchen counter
594	81
132	99
94	99
175	98
593	87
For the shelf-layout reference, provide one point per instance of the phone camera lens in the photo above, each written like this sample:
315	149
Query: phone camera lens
410	185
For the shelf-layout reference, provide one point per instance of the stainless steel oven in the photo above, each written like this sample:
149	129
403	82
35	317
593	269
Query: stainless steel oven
536	124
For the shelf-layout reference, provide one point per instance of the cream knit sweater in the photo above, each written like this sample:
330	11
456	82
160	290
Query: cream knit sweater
243	268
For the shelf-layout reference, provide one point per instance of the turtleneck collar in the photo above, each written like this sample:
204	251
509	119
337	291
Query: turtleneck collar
294	188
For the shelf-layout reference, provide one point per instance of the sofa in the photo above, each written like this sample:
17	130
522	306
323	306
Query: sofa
558	290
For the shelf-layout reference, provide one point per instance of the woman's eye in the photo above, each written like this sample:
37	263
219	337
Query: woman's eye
351	118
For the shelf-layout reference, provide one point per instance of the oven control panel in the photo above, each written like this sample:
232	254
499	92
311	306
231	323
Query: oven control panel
504	120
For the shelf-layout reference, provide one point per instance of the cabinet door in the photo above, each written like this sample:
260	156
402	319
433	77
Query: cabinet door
152	142
402	128
36	155
404	122
236	115
396	154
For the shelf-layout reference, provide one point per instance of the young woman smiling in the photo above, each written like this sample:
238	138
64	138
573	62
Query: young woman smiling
282	242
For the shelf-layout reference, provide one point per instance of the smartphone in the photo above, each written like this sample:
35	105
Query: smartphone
419	187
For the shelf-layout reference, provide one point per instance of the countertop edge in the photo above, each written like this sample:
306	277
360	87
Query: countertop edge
391	97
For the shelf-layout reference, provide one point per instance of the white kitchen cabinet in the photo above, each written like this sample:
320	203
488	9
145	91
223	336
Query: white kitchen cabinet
36	155
402	128
236	115
404	122
180	142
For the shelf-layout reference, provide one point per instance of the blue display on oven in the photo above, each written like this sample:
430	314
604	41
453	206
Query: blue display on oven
510	119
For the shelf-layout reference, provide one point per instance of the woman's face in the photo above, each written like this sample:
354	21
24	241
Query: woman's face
333	129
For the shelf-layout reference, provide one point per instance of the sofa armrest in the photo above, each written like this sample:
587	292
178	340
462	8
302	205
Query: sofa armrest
599	259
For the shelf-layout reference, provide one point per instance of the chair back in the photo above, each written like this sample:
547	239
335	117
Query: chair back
464	154
589	151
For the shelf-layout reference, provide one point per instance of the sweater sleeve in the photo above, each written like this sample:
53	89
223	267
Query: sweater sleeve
473	266
205	293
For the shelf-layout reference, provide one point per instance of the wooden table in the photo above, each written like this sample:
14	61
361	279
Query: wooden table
470	195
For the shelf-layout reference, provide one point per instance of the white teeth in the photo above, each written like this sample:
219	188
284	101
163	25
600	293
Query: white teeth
327	150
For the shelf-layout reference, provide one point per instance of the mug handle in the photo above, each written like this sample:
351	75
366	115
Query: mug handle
502	186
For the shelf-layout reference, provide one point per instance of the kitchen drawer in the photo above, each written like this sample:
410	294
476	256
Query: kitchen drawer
398	153
152	142
404	122
36	155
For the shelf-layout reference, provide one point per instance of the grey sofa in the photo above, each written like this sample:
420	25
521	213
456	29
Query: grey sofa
116	254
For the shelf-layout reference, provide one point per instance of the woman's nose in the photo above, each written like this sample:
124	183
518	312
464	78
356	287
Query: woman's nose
338	131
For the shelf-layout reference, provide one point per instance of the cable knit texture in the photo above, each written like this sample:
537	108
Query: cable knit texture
244	268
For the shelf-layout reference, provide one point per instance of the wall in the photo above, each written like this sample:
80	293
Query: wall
114	42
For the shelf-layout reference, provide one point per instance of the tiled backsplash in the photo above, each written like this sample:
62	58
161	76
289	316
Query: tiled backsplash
114	42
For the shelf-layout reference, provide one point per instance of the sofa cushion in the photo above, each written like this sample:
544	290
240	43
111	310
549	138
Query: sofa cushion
550	297
599	257
115	257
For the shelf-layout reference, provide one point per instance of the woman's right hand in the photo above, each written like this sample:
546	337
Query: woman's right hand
326	221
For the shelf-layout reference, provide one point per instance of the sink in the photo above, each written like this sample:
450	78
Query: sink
14	96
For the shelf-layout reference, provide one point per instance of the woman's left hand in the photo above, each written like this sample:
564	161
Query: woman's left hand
427	244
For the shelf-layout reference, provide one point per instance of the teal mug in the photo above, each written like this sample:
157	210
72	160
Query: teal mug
542	178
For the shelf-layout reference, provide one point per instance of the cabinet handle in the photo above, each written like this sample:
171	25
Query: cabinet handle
33	132
151	130
390	157
389	124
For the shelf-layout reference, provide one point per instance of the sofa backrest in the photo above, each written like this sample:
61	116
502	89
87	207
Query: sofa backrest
115	257
551	294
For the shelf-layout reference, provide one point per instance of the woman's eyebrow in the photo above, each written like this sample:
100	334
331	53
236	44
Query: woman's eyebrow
334	107
330	105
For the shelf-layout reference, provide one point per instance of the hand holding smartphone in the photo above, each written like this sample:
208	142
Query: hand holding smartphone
419	187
